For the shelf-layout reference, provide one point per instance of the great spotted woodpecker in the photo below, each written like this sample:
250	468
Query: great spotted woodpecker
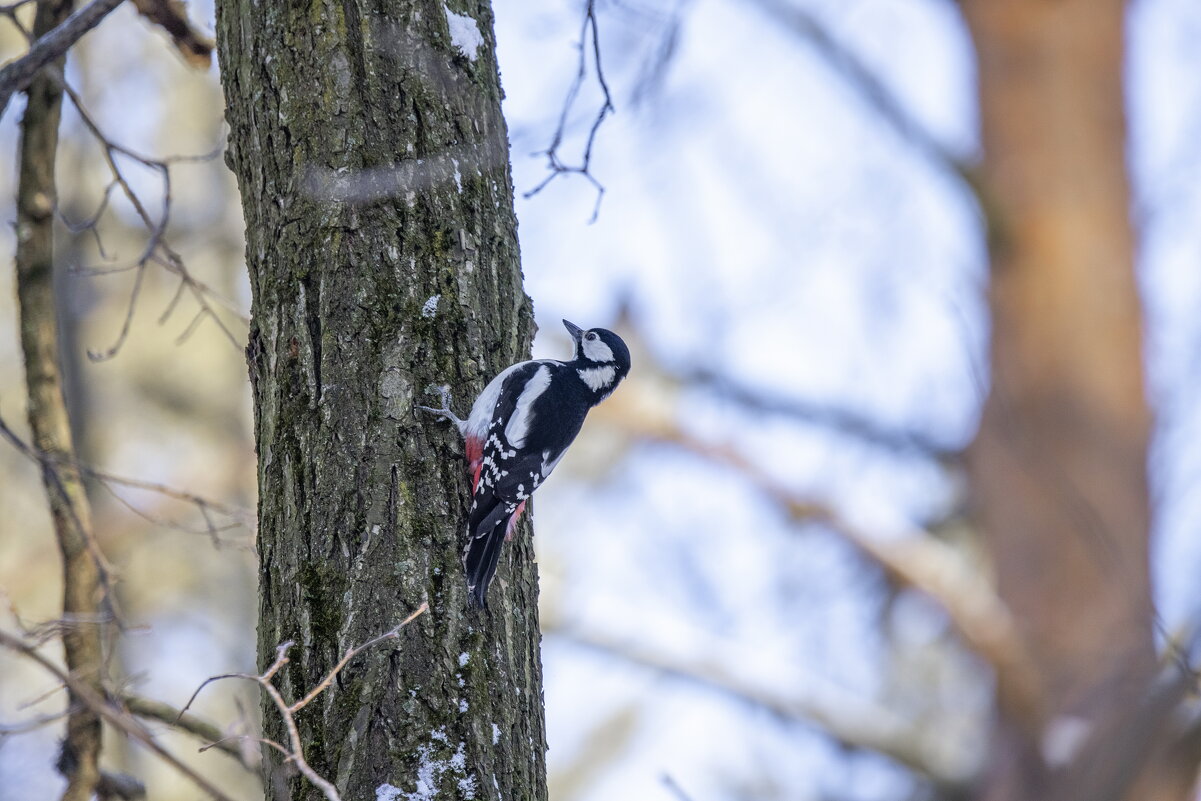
518	430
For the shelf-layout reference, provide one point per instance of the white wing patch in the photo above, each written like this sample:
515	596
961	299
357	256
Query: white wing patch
519	424
597	351
481	411
597	378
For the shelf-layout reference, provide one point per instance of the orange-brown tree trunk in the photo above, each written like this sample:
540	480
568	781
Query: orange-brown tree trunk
1058	468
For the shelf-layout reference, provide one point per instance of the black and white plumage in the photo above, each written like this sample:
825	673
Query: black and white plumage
518	430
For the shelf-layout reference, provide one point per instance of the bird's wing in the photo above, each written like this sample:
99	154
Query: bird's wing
509	424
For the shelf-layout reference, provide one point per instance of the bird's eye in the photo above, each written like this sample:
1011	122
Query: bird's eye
590	336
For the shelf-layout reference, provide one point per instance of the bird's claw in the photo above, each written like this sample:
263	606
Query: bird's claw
445	411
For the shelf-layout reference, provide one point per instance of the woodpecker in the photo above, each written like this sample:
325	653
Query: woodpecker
518	430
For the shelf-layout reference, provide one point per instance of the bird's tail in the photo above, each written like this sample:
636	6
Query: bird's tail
482	554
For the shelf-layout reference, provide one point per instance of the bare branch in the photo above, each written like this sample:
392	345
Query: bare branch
121	720
919	560
16	75
156	249
172	15
295	749
554	162
296	754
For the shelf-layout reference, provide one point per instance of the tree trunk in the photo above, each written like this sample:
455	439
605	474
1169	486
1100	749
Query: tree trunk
49	420
1058	468
372	159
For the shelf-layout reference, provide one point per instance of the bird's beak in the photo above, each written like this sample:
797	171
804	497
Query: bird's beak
573	329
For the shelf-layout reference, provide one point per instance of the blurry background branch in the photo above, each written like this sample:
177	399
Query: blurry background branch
836	418
165	713
156	250
858	725
197	50
94	700
917	560
864	81
50	46
914	558
206	507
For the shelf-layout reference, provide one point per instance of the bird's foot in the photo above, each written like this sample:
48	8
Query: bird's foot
444	412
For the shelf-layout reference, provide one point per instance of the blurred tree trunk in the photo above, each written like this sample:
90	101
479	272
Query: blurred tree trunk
1058	468
381	243
49	419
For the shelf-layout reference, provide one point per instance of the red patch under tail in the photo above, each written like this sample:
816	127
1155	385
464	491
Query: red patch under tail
513	521
475	459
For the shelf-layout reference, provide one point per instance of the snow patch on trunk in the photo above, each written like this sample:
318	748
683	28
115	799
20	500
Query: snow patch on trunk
464	33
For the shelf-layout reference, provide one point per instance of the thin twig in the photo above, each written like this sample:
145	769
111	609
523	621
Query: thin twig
156	250
203	505
295	750
25	726
350	654
584	168
241	738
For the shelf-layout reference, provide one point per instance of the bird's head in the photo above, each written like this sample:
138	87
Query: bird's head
601	357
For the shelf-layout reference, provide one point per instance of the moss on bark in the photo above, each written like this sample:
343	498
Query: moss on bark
373	165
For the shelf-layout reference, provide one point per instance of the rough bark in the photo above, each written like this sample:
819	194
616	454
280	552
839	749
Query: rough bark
372	159
1058	468
48	417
